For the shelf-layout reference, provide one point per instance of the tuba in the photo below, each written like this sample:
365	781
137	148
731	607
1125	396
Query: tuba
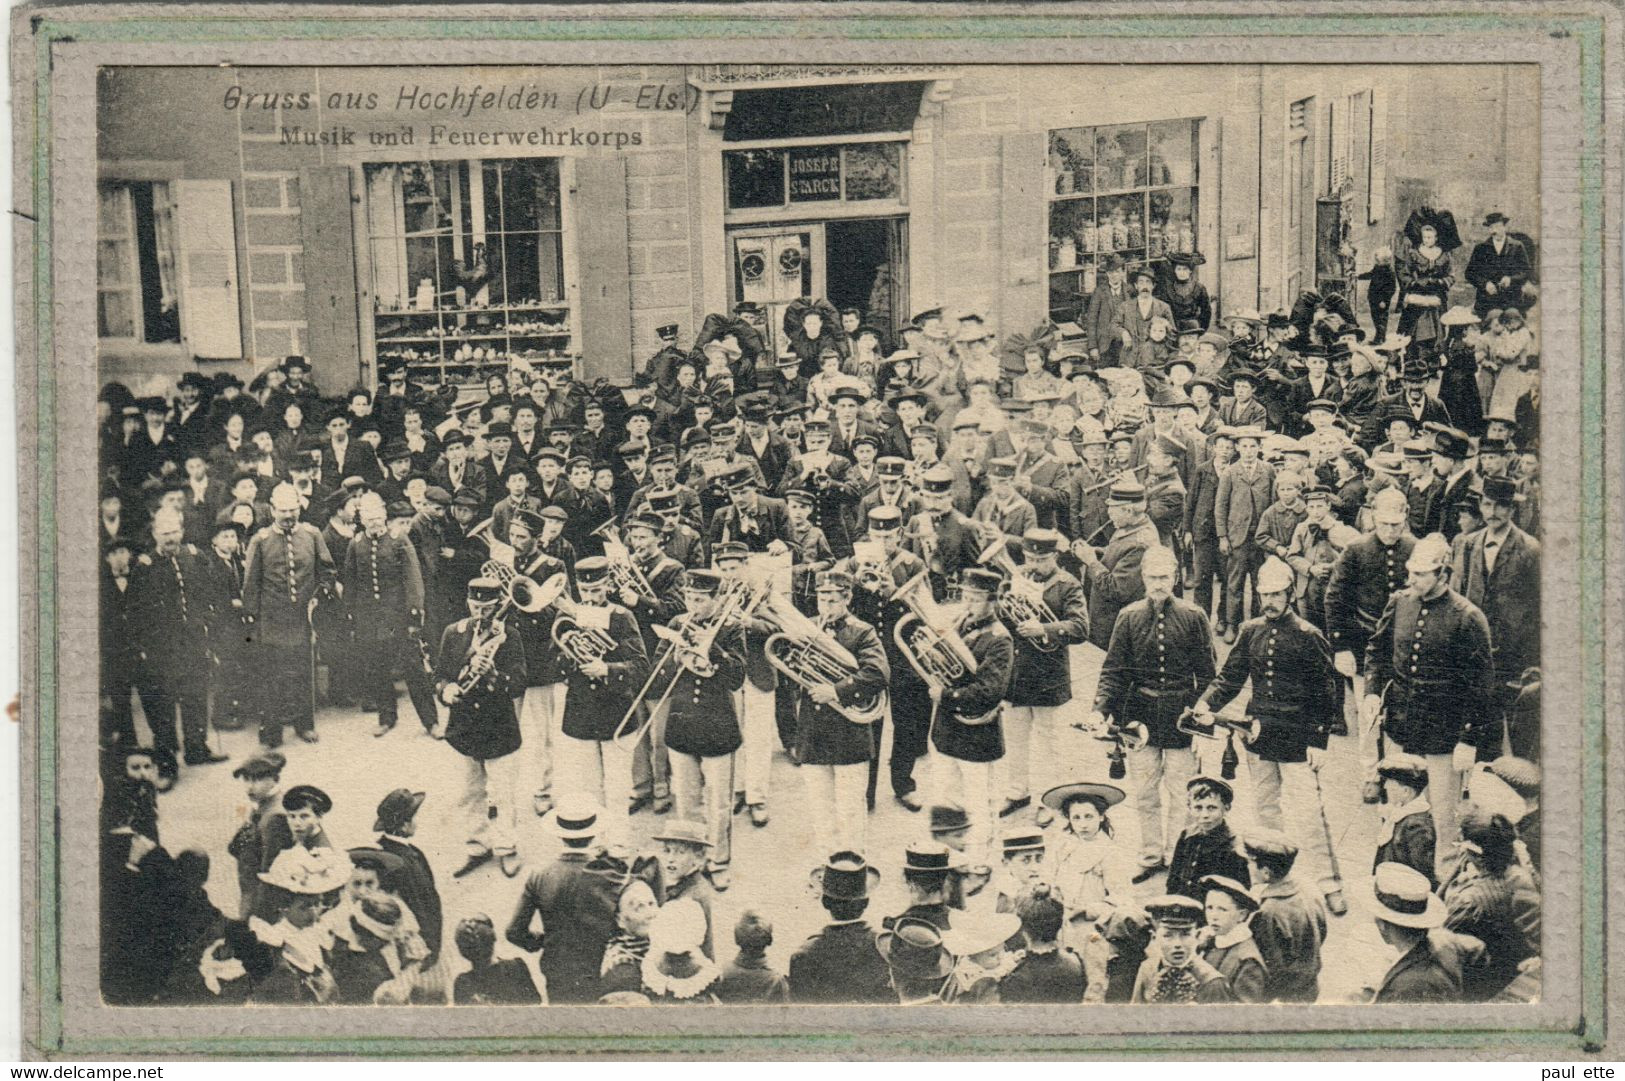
804	651
927	638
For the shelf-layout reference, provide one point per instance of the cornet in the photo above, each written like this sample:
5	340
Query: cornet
1021	599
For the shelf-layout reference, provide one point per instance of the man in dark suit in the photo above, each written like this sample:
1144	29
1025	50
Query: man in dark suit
455	472
120	648
414	883
845	425
759	522
759	442
345	457
191	420
1499	268
383	585
1105	344
1316	384
1451	450
1132	323
1111	576
1433	963
840	962
1497	568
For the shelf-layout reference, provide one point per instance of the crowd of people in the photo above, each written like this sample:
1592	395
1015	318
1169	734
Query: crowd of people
870	542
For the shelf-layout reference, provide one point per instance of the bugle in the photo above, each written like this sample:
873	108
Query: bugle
1247	727
811	657
1123	738
927	637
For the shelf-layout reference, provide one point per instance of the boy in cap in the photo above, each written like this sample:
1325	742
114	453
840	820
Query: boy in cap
1452	451
1176	972
1290	925
1295	696
839	964
1228	941
1406	834
1206	846
264	832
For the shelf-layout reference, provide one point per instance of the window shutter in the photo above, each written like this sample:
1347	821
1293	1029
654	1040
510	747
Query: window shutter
1024	293
1377	181
333	340
1298	117
1340	147
604	324
206	237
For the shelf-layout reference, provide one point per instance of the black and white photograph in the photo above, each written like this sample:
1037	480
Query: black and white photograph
758	534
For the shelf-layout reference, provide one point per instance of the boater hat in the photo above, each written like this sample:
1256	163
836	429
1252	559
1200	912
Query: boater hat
1404	897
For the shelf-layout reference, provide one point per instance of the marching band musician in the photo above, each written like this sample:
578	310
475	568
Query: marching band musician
1041	476
1159	659
758	708
808	545
287	562
1429	666
1111	577
1041	680
702	731
596	697
541	711
1295	696
384	589
679	540
823	474
1003	513
890	491
873	587
480	678
757	521
835	751
950	544
966	731
651	770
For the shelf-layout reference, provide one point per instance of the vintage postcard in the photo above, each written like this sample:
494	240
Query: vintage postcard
1092	519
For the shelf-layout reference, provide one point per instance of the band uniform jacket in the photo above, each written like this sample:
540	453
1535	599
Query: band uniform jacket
414	885
284	573
1087	507
483	723
841	964
1432	660
1159	658
823	736
955	546
977	696
1011	518
1246	490
1410	838
1196	855
1433	970
170	612
686	547
833	496
1290	928
665	578
384	587
1046	478
1041	678
1115	581
1241	965
1295	689
1165	506
906	501
1364	577
1509	596
704	721
594	708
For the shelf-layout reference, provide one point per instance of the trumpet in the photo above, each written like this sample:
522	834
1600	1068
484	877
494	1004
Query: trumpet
623	570
927	637
869	565
810	656
1248	727
584	645
1021	599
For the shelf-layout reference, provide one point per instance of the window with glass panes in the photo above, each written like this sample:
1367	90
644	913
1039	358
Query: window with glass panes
1128	189
467	264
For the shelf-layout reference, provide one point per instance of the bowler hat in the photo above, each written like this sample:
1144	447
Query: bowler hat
1500	490
397	808
845	876
396	450
1449	442
948	819
1493	217
913	948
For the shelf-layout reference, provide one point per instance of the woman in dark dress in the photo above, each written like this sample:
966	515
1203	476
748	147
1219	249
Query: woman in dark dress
1425	279
1458	386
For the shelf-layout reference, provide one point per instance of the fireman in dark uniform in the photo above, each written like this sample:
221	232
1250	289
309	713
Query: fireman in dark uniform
1430	671
383	585
835	751
1369	571
1295	695
1159	659
966	730
479	677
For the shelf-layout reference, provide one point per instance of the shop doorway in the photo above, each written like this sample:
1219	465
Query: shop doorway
858	263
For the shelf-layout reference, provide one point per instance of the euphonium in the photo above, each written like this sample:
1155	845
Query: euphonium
623	569
1020	600
582	644
926	637
808	654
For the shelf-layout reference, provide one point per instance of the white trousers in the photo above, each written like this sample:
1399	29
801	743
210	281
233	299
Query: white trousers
601	771
541	729
1444	796
836	798
703	789
970	784
489	784
1033	757
760	732
1285	798
1159	775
